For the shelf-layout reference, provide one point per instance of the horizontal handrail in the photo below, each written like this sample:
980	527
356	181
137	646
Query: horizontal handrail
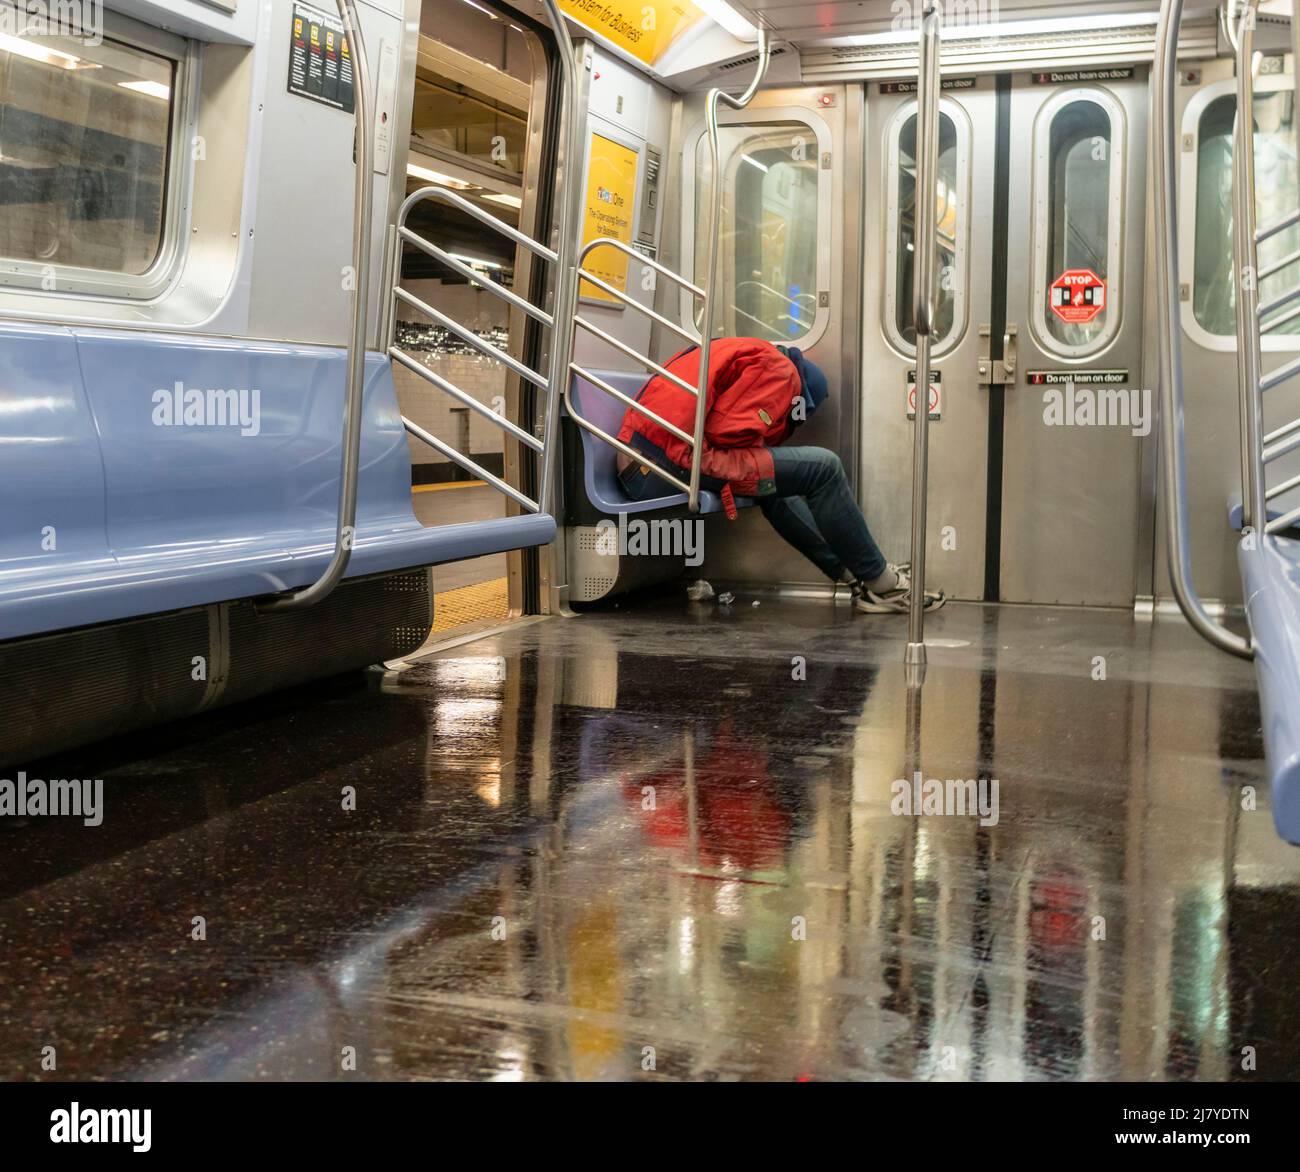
1283	522
795	301
1285	429
1287	221
758	321
1280	489
1278	322
627	401
618	294
442	195
626	449
1281	448
472	339
416	367
482	281
1275	378
405	234
459	458
1285	299
1277	266
648	261
631	352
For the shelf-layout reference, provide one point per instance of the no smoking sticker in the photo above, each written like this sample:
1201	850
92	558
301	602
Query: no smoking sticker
1077	296
936	394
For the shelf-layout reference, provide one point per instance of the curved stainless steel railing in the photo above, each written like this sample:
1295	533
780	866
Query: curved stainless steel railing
1254	319
623	347
695	437
566	265
713	235
566	300
1173	451
349	475
1246	266
566	285
471	339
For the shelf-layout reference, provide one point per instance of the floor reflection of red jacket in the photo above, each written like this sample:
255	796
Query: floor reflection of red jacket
739	819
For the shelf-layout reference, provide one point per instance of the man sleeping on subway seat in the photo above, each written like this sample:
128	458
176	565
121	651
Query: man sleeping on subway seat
758	395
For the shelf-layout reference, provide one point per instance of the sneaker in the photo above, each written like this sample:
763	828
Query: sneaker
896	601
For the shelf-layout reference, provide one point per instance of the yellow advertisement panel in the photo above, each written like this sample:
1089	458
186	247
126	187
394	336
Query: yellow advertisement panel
643	28
611	195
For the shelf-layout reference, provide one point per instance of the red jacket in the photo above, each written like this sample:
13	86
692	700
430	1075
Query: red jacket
752	387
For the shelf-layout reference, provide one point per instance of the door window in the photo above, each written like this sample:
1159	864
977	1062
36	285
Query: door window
772	229
951	222
1214	299
1079	205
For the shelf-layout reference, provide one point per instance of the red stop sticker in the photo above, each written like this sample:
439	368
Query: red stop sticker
1077	296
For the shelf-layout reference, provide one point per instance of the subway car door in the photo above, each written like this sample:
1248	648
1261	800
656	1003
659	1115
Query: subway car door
1076	414
1037	408
959	435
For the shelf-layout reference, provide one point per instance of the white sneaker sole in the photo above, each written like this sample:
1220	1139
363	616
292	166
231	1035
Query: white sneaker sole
933	602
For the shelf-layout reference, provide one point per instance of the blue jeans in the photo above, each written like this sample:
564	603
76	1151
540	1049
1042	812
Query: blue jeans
812	508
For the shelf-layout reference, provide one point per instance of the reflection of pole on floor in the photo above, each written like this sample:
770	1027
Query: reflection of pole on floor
692	808
927	168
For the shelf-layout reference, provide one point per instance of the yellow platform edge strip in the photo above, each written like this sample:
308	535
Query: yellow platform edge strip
471	604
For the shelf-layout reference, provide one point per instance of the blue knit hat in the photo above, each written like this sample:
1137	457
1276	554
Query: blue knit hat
812	380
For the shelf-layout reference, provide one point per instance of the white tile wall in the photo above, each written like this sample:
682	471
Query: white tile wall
435	410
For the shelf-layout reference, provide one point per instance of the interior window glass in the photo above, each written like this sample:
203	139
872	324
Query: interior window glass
1214	299
768	259
84	133
1079	213
947	220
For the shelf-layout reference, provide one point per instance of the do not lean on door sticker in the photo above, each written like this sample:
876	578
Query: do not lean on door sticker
1077	296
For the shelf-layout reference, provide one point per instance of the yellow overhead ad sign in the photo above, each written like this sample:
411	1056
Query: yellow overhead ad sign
611	194
643	28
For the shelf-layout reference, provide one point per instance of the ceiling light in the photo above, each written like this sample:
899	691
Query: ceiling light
510	201
753	162
722	13
1012	28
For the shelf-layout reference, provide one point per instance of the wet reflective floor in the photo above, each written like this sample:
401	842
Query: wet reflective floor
676	842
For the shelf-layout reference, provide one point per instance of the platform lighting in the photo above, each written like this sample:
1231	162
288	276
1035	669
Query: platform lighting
415	171
474	262
22	47
485	11
510	201
155	89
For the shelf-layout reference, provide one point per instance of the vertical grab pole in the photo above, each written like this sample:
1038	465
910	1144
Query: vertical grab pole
712	233
1173	453
353	403
1246	258
927	168
566	266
